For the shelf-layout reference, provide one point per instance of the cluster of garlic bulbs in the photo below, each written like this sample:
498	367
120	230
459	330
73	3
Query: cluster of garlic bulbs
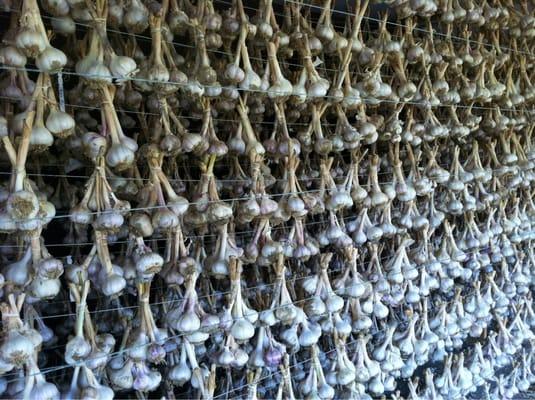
210	199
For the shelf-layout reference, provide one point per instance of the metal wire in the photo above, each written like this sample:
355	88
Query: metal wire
384	258
87	107
245	289
270	123
222	180
219	180
151	240
158	207
133	209
364	100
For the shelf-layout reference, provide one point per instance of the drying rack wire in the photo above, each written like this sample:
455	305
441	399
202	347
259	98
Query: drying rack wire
198	118
162	239
245	289
157	207
126	178
237	234
219	180
161	207
382	259
14	99
364	100
245	386
172	180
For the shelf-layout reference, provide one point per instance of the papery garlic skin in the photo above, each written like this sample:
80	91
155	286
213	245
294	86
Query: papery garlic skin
31	42
60	124
41	139
51	60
